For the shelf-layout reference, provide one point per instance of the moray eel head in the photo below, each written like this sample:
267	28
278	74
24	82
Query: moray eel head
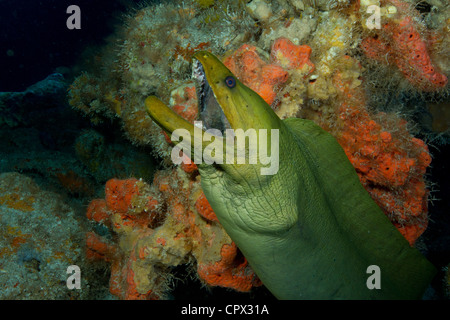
222	96
224	103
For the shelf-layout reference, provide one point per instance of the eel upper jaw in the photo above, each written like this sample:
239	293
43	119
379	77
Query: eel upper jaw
211	113
237	107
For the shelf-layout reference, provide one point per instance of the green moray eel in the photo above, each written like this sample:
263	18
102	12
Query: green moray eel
311	230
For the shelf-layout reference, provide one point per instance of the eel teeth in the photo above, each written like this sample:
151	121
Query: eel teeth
198	73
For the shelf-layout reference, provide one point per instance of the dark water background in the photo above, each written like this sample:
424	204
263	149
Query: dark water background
36	31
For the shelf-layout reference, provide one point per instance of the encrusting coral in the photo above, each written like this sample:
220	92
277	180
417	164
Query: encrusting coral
305	65
262	77
40	237
154	57
390	162
400	43
160	226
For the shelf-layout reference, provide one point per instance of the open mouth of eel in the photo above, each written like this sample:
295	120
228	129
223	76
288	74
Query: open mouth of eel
211	113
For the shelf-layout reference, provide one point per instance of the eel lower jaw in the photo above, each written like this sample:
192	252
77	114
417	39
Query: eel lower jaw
209	109
212	122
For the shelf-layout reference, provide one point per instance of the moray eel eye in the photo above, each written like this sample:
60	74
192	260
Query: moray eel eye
230	82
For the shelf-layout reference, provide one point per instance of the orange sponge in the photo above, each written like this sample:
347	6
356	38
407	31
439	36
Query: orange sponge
260	76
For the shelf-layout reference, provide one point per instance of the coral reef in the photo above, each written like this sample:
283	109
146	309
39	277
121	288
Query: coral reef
160	226
154	57
291	56
184	102
105	160
40	238
35	153
262	77
20	108
85	162
400	43
390	162
391	166
310	59
446	282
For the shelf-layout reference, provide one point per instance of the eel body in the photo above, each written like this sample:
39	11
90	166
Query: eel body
310	230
